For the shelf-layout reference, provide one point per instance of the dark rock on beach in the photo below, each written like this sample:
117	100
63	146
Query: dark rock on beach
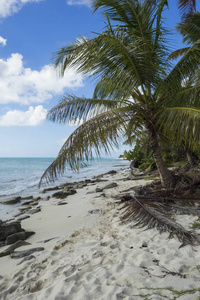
34	210
11	249
27	198
23	218
11	239
12	200
63	194
50	189
62	203
21	254
110	185
99	190
7	229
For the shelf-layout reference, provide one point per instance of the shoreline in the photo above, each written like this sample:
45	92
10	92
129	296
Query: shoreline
89	254
95	167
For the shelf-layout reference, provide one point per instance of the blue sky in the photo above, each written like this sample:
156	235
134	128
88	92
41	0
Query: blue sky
30	32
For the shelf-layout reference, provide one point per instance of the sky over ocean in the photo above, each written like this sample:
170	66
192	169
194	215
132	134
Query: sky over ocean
30	32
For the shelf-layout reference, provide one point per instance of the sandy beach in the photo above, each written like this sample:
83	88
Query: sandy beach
89	254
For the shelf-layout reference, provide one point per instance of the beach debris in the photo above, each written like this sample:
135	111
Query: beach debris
13	200
149	212
21	254
110	185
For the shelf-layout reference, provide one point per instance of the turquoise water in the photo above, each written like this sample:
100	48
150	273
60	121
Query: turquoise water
20	176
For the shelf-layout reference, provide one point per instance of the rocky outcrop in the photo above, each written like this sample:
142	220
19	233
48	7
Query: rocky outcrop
13	200
11	249
7	229
11	239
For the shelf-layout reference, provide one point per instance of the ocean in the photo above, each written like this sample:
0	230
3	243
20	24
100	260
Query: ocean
20	177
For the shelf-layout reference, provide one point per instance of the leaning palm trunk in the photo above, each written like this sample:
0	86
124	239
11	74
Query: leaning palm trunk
167	178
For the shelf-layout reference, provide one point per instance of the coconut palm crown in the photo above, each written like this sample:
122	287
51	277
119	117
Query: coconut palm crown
136	90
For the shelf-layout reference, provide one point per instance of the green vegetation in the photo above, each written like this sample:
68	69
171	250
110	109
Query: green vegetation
195	225
137	91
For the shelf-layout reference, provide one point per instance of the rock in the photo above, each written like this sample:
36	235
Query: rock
11	239
111	172
1	222
34	210
27	202
7	229
23	218
69	191
110	185
46	198
99	190
27	198
22	209
62	203
103	195
81	185
34	203
101	180
11	249
12	200
50	189
36	198
21	254
64	194
87	180
2	244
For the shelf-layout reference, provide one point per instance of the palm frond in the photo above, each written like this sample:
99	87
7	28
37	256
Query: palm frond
182	123
190	29
185	67
177	53
186	7
96	136
79	109
145	215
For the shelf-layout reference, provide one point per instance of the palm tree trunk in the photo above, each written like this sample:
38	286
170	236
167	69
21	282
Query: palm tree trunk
167	178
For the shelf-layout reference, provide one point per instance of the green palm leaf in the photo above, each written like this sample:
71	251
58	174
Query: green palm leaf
96	136
77	109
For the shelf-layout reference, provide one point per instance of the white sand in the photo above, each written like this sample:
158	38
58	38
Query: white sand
93	256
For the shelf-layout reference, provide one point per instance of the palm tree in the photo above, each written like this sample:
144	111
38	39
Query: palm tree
136	86
187	7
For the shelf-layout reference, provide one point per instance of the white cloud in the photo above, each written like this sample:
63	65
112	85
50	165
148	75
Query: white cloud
25	86
79	2
2	41
32	117
9	7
